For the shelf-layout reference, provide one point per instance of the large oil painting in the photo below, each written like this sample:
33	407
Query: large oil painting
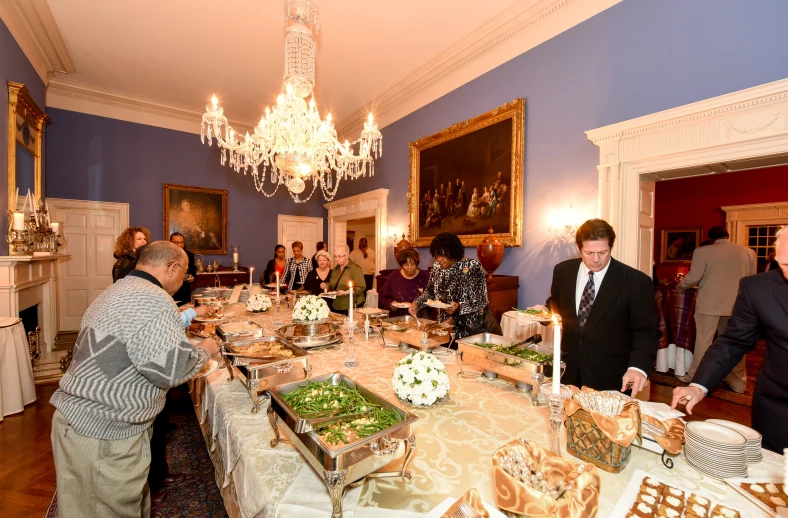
469	178
200	215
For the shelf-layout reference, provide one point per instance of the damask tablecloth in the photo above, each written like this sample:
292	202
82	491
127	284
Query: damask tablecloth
17	387
454	445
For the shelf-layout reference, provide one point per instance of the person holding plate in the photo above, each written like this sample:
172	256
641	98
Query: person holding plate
344	272
320	275
461	285
403	286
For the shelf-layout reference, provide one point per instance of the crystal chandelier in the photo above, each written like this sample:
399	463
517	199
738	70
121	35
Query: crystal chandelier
292	144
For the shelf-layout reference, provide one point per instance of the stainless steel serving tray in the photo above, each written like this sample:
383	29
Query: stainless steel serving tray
262	373
343	464
234	336
513	367
307	336
422	333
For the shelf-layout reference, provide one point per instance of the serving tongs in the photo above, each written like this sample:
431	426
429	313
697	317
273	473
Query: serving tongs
251	356
309	425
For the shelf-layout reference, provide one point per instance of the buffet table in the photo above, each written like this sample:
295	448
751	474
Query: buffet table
454	444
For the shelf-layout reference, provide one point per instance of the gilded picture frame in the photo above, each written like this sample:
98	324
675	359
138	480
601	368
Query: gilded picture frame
678	244
469	177
200	214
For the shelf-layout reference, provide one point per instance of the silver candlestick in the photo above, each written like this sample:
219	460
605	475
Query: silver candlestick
351	359
556	402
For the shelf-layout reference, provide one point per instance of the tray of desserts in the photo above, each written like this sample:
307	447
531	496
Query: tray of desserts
235	331
201	329
344	430
647	496
769	494
509	357
265	362
421	333
311	335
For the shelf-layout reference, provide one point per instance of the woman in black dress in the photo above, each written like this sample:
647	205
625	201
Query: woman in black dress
319	275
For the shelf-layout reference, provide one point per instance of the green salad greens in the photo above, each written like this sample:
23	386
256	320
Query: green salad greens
324	399
525	354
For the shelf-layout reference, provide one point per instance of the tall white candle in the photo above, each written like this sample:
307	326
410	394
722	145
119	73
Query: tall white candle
55	226
235	257
251	269
350	295
24	207
556	356
277	286
19	220
35	212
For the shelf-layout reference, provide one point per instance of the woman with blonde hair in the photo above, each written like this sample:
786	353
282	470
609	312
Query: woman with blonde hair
320	274
127	249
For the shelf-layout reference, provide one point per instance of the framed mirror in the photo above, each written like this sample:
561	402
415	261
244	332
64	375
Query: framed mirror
25	134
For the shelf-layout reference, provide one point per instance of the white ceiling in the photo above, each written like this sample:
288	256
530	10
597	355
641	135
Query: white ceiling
387	56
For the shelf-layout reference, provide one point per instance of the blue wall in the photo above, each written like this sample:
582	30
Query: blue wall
96	158
14	66
636	58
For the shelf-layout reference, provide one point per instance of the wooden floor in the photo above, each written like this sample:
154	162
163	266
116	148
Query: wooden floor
27	471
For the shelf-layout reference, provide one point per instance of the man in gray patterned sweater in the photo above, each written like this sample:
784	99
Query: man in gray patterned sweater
130	350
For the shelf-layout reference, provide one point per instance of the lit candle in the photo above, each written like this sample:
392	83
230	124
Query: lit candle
19	220
277	286
350	295
235	257
556	356
55	226
250	277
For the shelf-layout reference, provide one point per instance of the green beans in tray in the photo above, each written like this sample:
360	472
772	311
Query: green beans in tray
324	399
525	354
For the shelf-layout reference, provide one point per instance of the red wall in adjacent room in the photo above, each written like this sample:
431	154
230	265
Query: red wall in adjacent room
696	202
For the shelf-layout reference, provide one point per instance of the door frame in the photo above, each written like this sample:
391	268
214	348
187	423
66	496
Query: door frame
364	205
739	131
306	219
56	205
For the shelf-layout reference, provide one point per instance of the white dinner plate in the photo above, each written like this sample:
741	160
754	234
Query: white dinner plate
213	366
715	433
401	305
438	304
746	431
208	320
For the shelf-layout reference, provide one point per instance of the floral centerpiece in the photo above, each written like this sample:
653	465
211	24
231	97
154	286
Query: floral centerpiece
258	303
420	379
310	309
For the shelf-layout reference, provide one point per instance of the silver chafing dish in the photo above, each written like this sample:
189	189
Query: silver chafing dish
343	464
237	331
494	363
263	371
420	333
311	335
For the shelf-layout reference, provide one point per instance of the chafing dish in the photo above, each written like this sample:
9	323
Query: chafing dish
495	363
420	333
311	335
343	464
262	371
232	332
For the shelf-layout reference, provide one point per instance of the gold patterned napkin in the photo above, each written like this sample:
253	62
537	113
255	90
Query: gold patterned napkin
621	429
581	500
473	499
674	433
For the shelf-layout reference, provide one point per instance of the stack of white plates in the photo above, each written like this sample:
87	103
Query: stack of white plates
754	452
714	450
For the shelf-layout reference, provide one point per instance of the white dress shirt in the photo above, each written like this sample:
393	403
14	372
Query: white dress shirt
582	280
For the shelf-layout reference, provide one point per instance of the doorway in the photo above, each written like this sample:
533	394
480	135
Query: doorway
358	229
299	228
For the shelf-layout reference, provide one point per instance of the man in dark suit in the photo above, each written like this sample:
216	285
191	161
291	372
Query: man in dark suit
760	311
184	293
609	320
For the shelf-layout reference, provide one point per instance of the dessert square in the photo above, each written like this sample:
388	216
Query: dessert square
720	511
672	491
644	489
769	494
696	511
668	512
673	502
650	482
648	499
642	510
694	499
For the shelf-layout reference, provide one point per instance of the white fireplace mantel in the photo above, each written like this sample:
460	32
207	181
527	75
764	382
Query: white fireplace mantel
26	281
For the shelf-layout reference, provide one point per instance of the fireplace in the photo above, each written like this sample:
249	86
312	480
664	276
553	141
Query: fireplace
29	318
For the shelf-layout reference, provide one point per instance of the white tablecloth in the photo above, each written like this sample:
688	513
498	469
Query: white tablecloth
17	388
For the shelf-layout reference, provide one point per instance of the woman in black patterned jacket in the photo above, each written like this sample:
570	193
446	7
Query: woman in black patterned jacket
297	268
462	284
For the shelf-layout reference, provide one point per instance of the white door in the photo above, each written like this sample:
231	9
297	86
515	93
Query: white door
646	228
300	228
90	230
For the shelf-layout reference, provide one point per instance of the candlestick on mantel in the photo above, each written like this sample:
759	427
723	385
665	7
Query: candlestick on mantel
350	294
55	226
19	221
251	269
556	356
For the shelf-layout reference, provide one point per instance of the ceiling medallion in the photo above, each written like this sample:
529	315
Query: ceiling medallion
292	145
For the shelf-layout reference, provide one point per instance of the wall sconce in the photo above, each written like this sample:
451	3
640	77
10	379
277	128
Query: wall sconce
562	225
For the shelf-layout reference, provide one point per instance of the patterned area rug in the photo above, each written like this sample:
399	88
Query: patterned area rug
197	496
754	364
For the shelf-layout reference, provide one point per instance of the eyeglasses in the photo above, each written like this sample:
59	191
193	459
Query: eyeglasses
178	265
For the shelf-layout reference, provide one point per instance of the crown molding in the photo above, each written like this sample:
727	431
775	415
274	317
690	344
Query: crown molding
33	26
523	26
66	94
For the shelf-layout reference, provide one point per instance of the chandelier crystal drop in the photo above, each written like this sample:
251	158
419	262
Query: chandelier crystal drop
292	144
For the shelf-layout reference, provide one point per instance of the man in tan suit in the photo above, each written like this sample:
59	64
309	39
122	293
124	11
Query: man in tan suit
717	269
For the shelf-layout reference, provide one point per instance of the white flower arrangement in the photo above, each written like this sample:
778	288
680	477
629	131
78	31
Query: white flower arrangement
310	308
258	303
420	379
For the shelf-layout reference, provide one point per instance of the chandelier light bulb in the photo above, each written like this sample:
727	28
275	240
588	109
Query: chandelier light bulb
328	118
370	117
214	102
289	89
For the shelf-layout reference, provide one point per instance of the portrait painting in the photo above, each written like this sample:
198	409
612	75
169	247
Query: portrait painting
199	214
468	179
678	244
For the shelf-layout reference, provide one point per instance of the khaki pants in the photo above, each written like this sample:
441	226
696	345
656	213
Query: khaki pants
705	327
98	478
